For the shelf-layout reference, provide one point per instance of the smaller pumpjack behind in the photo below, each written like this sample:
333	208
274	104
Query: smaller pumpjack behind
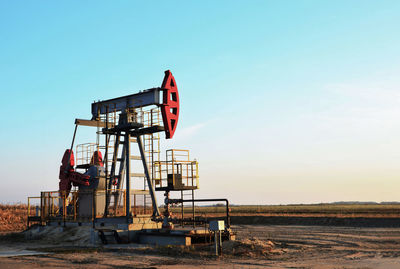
128	125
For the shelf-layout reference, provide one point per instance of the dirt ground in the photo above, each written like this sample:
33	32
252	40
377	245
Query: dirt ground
257	246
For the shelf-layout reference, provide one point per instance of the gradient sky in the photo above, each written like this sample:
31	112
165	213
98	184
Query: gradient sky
281	101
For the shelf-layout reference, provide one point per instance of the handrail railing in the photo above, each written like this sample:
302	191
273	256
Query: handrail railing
55	205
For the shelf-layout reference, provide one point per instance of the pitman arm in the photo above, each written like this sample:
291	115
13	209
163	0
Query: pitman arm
68	176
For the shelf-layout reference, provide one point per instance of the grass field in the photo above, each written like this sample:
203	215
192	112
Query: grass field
13	217
317	210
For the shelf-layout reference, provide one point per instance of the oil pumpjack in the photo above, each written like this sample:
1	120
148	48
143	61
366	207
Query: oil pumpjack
117	192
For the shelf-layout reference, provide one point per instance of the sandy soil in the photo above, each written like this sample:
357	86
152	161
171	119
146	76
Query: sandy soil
258	246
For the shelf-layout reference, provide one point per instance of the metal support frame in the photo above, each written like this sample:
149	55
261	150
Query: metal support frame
228	219
72	146
128	177
145	98
156	212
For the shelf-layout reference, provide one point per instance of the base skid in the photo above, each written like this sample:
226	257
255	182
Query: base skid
185	237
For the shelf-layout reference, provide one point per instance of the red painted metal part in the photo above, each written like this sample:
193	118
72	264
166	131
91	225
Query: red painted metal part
170	105
68	176
97	159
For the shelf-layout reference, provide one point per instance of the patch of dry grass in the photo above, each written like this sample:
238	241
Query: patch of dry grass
13	218
251	247
311	210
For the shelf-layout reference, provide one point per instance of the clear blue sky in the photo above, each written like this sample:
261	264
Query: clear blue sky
281	101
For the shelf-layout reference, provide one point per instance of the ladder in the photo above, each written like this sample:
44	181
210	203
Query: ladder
151	145
119	166
188	195
116	175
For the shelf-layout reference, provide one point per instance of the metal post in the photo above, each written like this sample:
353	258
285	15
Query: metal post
64	207
52	205
182	213
41	207
216	243
75	207
193	210
73	138
105	159
106	149
72	145
134	205
219	243
127	173
28	213
124	202
94	208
